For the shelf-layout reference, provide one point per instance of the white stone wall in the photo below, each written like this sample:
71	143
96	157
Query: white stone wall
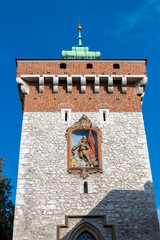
46	192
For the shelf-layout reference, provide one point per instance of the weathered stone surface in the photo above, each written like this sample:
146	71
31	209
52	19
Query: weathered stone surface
46	192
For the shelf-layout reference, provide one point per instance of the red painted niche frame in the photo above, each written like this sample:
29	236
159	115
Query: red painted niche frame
71	169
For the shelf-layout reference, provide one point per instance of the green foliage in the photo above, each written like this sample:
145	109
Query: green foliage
6	206
2	165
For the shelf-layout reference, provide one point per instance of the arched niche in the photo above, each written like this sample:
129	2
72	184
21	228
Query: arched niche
84	148
86	228
86	236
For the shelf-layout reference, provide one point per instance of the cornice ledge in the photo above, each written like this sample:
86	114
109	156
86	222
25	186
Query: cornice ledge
23	86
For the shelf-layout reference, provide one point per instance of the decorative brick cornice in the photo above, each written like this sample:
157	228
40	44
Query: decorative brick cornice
23	85
140	86
140	82
23	88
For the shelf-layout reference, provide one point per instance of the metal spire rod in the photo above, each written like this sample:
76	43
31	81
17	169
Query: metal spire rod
79	36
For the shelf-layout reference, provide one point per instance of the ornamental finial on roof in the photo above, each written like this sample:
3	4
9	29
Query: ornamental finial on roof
80	52
79	27
79	36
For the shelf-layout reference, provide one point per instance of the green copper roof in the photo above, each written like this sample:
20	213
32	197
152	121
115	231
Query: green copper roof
80	52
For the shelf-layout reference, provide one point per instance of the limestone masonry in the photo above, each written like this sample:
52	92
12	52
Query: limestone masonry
84	170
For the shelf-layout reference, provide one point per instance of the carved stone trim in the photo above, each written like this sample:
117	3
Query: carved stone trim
23	89
84	172
84	123
23	85
84	225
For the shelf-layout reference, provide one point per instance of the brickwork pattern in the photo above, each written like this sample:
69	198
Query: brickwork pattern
46	192
73	68
78	102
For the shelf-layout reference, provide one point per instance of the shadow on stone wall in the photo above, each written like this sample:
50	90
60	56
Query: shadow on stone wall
120	215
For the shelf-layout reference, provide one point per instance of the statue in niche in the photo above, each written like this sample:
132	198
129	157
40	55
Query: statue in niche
83	148
84	154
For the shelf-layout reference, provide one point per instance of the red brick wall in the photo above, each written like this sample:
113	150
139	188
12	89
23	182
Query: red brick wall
76	101
24	68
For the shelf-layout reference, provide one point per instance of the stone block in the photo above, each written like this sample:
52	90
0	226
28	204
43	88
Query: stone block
139	90
110	89
96	89
55	89
69	89
83	89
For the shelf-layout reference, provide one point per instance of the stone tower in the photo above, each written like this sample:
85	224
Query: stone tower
84	170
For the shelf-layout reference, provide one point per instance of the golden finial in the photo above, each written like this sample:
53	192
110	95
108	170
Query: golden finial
79	27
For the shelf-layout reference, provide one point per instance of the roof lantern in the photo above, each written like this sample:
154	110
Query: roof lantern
80	52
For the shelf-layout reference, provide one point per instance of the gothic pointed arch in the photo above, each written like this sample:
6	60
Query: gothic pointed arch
86	236
85	229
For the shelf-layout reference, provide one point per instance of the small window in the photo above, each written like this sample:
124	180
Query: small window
66	115
116	66
104	116
85	187
63	65
89	65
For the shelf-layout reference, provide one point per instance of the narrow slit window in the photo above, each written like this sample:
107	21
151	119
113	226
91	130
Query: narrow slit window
66	116
104	116
85	187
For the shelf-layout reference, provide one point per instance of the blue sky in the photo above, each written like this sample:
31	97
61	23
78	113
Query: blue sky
42	29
